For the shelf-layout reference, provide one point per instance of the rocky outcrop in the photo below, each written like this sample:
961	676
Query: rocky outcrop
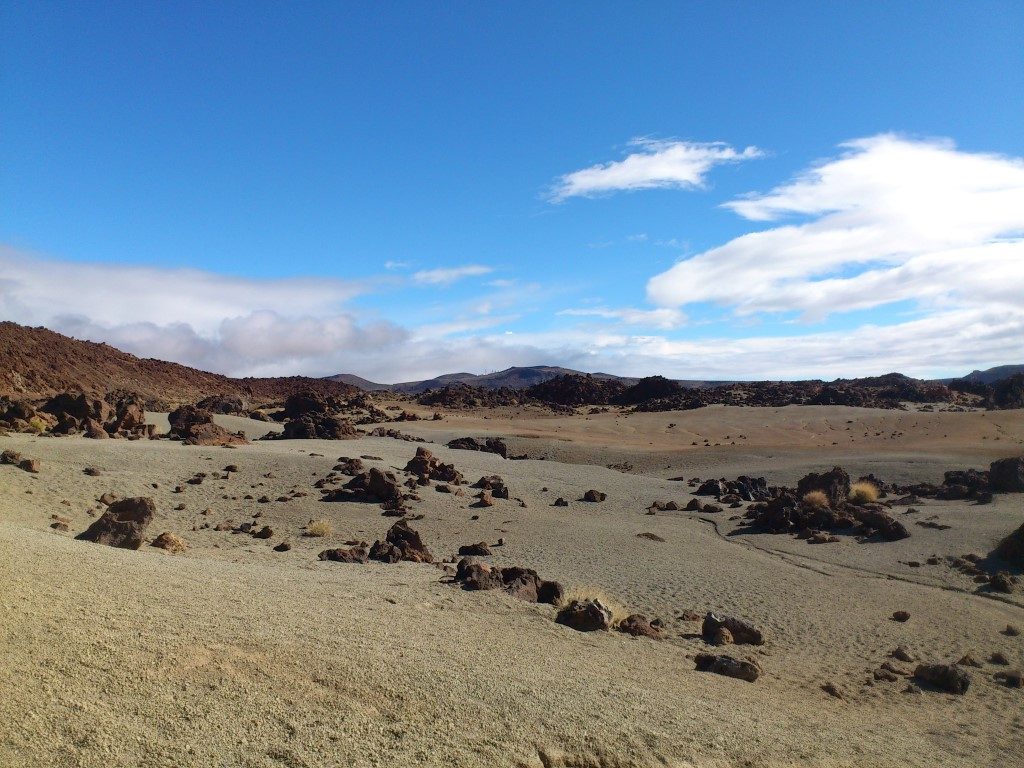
123	524
194	426
835	484
425	466
523	583
486	445
401	543
1011	549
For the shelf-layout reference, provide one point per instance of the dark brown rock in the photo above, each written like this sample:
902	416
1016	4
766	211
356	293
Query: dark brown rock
122	524
585	616
948	677
729	666
743	633
356	554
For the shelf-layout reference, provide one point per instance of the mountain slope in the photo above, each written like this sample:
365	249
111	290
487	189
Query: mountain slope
992	375
36	362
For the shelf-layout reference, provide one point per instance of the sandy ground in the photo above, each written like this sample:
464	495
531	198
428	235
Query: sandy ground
231	654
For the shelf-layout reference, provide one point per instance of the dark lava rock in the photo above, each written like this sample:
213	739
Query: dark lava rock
475	550
638	625
835	484
948	677
594	496
401	543
729	666
487	445
122	524
356	554
742	632
1007	475
585	616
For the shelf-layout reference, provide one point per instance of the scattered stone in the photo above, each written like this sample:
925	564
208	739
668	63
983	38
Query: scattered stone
475	550
999	658
91	472
1012	678
901	616
284	546
29	465
560	502
1007	475
743	633
727	665
902	654
170	542
638	625
832	690
594	496
968	661
651	536
488	445
1011	631
355	554
263	533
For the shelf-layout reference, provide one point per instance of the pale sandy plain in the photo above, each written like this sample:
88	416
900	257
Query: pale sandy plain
234	655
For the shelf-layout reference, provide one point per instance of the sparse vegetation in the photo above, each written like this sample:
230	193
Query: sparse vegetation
816	500
319	528
863	492
37	425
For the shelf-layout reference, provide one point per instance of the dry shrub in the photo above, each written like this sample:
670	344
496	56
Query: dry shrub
586	592
863	492
319	528
816	499
36	425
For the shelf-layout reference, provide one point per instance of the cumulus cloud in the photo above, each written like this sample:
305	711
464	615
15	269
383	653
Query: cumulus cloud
662	318
229	324
889	220
656	164
449	275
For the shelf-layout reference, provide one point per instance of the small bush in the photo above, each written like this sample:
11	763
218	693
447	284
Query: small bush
816	500
37	425
319	528
863	492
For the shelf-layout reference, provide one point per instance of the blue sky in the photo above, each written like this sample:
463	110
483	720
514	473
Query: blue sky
395	190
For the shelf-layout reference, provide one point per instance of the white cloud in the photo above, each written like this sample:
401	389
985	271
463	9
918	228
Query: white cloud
449	275
890	219
395	265
664	317
657	164
216	322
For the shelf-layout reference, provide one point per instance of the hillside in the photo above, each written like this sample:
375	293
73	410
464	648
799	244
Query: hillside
36	362
992	375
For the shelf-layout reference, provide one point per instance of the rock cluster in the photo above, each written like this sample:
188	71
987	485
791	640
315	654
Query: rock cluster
119	415
486	445
194	426
523	583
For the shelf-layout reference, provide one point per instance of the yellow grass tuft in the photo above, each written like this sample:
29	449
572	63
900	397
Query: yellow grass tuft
816	500
319	528
863	492
587	592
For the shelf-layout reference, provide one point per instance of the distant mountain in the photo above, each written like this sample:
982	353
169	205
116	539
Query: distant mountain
512	378
992	375
517	377
358	381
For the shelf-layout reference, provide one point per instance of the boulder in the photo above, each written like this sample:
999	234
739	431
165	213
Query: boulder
948	677
425	466
122	524
29	465
1011	549
170	542
594	496
1007	475
729	666
475	550
585	616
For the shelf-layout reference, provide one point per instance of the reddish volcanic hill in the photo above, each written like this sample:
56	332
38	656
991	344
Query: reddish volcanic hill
36	362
